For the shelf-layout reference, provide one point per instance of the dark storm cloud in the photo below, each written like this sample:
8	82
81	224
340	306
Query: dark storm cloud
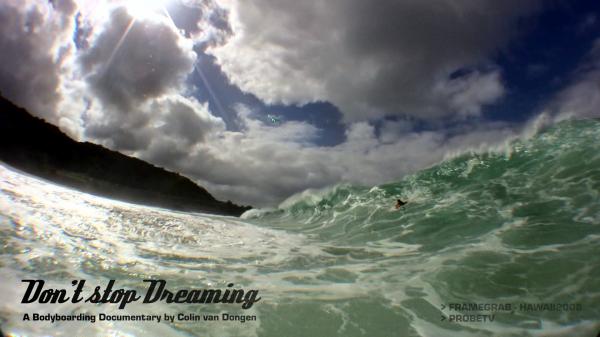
34	44
371	58
127	66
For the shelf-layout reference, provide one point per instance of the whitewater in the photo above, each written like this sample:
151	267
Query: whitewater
499	243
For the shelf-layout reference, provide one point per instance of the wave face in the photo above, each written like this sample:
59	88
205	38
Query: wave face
521	226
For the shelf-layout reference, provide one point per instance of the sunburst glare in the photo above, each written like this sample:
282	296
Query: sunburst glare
144	9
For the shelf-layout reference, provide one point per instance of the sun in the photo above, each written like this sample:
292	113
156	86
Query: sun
146	9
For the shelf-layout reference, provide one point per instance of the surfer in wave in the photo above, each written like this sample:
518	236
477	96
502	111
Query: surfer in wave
400	203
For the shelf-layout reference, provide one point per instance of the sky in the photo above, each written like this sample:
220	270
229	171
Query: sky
259	100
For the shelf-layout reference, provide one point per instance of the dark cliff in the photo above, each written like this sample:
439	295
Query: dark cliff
32	145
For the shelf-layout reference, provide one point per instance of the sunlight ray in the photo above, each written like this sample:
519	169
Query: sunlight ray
211	92
119	44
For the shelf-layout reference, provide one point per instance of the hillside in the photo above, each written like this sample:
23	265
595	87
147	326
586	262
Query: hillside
32	145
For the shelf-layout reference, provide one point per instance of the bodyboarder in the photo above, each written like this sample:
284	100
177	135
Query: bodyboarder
400	203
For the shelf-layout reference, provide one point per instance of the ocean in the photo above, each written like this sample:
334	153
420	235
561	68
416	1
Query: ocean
496	243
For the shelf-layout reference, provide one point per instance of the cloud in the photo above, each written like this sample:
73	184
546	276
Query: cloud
581	98
135	99
418	60
131	61
172	123
35	39
204	21
179	124
135	73
371	59
263	164
467	94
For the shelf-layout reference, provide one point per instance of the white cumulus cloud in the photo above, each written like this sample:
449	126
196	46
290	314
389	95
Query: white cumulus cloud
371	58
